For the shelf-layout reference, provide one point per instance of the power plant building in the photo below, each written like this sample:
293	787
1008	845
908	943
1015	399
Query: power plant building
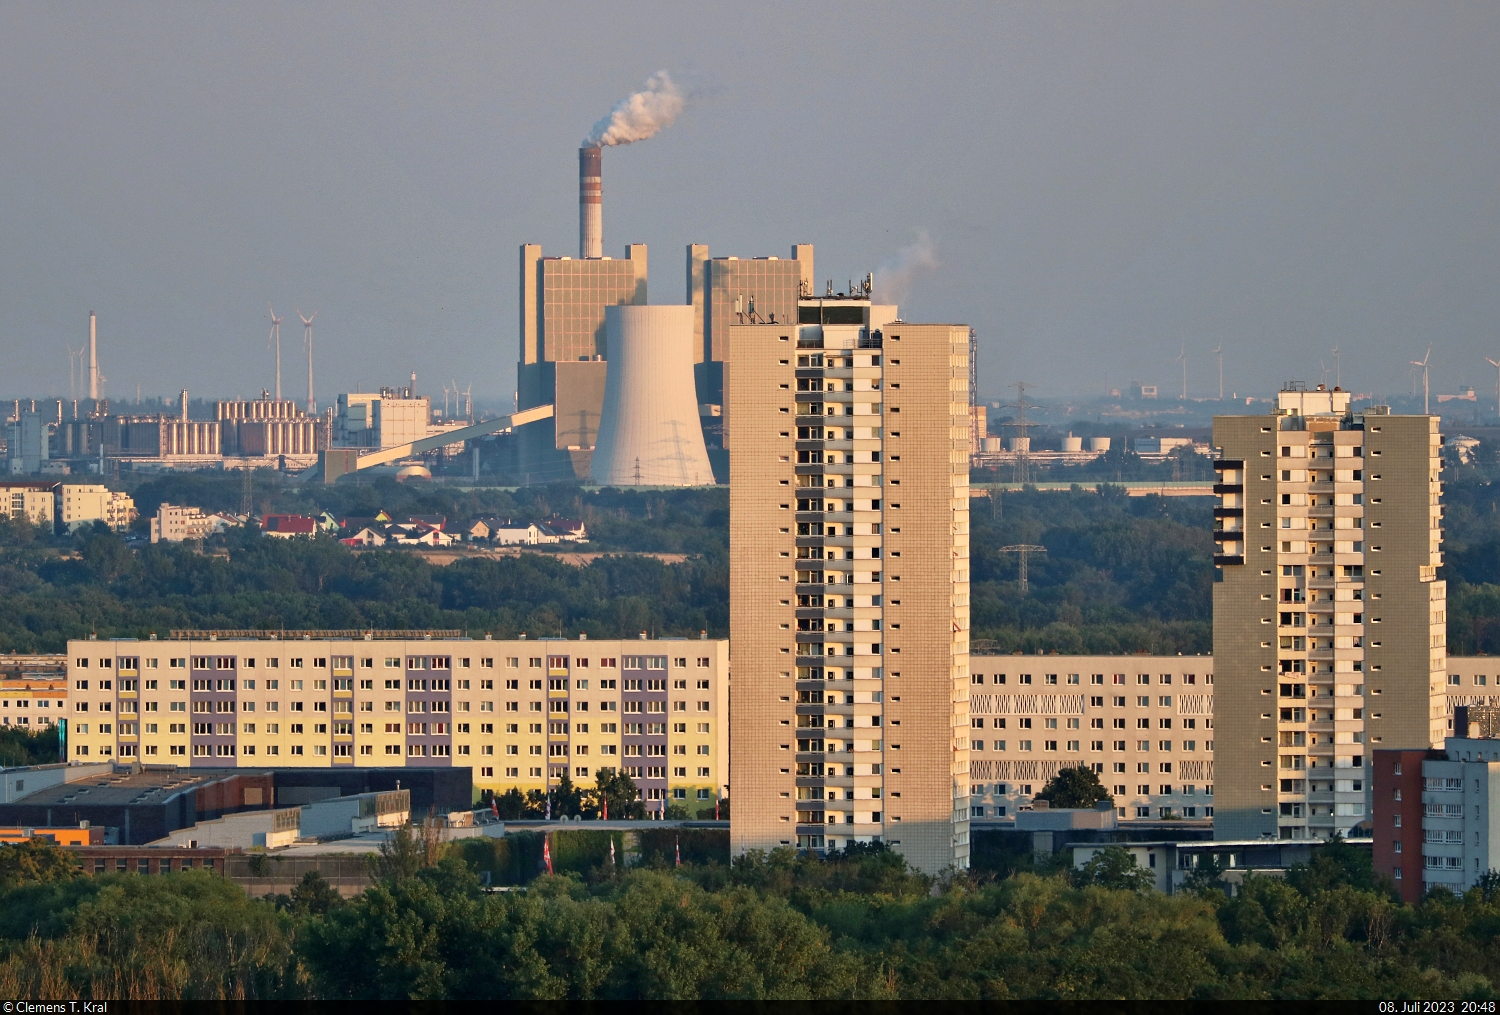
650	434
725	291
264	427
563	349
1329	619
564	345
393	417
849	582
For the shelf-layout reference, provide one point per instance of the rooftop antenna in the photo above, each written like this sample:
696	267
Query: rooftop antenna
312	406
1022	550
275	339
1426	407
1219	352
1496	365
1338	371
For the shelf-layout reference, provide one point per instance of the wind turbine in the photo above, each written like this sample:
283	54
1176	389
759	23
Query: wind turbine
1496	365
312	406
276	340
1425	392
1338	372
1219	352
469	403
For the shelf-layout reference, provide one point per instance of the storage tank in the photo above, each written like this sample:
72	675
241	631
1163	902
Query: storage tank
649	433
1098	443
1071	443
991	445
1019	443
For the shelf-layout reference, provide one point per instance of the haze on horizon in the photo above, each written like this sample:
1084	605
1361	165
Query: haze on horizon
1100	184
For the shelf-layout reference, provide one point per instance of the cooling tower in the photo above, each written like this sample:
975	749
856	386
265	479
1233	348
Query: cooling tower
649	434
590	203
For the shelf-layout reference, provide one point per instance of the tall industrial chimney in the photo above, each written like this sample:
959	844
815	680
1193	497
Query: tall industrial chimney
590	203
93	357
183	406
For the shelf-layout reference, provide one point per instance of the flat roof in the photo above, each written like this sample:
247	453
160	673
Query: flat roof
119	790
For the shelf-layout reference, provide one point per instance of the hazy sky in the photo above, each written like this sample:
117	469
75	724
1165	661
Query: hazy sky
1100	182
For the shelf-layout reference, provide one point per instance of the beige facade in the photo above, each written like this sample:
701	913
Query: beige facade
80	504
521	713
849	583
1329	621
1143	724
33	690
386	419
174	523
30	499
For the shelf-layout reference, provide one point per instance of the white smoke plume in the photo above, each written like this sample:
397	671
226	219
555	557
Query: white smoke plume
893	281
642	115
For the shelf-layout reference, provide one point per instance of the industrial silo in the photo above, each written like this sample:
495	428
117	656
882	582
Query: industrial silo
649	433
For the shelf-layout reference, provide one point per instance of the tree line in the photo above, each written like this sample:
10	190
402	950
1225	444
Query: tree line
1120	574
860	924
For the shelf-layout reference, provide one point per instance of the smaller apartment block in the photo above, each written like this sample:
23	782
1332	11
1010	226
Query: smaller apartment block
33	690
1436	815
1144	724
522	714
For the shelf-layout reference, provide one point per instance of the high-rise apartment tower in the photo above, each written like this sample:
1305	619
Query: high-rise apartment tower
849	581
1329	619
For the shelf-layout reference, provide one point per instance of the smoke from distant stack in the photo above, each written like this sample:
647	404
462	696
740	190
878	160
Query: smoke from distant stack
637	117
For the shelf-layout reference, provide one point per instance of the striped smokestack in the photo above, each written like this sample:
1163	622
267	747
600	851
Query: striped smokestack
590	203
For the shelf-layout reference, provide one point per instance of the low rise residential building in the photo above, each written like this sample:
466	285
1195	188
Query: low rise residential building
289	526
33	690
82	504
174	523
33	500
1437	811
1172	862
522	714
1143	724
507	532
